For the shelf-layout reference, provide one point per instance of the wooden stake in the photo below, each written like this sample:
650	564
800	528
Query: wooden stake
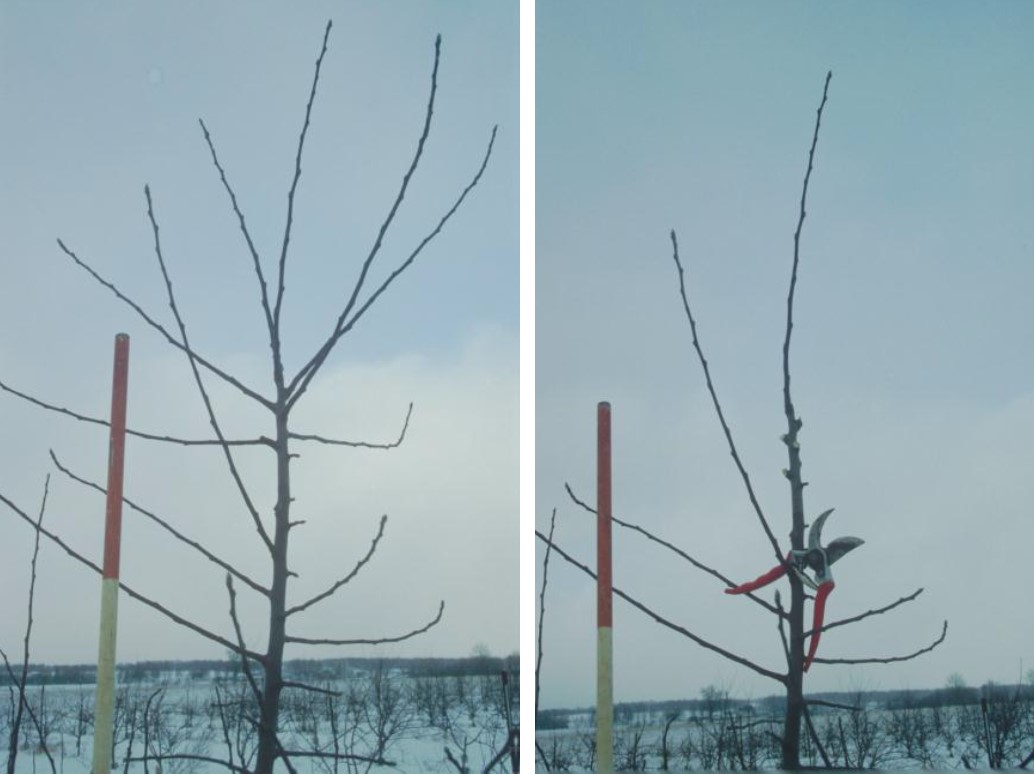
104	703
604	597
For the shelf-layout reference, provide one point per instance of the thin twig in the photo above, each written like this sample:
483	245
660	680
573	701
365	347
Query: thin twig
667	623
242	648
694	562
542	608
23	703
363	444
796	251
161	330
309	688
261	440
368	641
166	526
828	704
872	612
224	642
256	262
717	405
887	660
294	183
341	582
197	377
815	737
189	757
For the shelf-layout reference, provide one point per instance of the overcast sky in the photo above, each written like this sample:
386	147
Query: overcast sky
101	98
911	353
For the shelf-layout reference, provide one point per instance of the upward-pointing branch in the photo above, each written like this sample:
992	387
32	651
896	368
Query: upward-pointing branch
294	185
243	226
162	330
315	362
197	378
321	356
717	406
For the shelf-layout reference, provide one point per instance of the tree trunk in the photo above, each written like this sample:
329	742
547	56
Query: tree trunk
794	680
268	750
795	668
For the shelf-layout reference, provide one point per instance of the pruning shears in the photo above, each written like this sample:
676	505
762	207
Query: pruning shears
818	559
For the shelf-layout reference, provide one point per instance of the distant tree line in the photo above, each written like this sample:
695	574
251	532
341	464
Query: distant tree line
160	671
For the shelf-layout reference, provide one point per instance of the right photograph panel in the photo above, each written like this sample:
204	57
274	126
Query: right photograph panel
784	390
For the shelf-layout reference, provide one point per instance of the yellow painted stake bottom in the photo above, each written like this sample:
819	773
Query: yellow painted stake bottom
604	700
104	702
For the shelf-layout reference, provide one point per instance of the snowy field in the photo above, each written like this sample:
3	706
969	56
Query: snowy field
907	738
380	720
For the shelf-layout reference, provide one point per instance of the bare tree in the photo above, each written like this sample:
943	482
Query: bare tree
787	562
263	669
19	699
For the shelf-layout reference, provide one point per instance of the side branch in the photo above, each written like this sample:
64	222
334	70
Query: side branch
243	227
364	444
717	406
887	660
341	582
224	642
161	330
781	678
309	688
275	323
197	378
166	526
872	612
369	641
309	370
695	563
261	440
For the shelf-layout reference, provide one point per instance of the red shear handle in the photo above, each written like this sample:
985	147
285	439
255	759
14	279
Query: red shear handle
816	625
760	581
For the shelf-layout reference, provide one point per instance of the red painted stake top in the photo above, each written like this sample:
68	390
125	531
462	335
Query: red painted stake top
604	581
116	457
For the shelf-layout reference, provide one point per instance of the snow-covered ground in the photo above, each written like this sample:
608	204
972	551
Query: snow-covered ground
379	721
903	739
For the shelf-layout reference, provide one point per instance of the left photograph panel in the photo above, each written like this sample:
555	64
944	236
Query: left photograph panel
259	436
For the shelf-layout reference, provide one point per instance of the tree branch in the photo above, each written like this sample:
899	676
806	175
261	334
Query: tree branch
224	642
275	327
197	377
717	406
242	649
315	362
873	612
796	250
166	526
256	262
309	688
139	434
887	660
696	563
368	641
188	757
20	682
670	625
365	444
161	330
542	607
341	582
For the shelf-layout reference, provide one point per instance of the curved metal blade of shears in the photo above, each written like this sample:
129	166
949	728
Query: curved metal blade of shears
815	533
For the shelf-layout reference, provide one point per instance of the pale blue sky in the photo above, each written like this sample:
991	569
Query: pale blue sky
911	348
101	98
